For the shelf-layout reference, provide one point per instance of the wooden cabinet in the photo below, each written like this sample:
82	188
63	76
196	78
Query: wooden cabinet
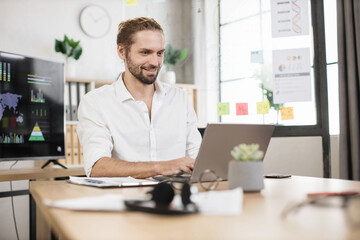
192	92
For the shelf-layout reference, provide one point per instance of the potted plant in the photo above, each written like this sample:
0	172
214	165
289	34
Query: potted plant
71	50
268	94
171	57
265	74
246	170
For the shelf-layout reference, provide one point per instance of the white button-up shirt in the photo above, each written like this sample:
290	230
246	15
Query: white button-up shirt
113	124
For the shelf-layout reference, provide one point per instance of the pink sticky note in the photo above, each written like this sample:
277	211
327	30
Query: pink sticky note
242	109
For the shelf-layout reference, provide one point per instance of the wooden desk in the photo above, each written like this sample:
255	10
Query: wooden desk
39	173
260	219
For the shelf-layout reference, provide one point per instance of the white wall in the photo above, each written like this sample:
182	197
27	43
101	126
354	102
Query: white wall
301	156
7	226
295	155
32	26
21	206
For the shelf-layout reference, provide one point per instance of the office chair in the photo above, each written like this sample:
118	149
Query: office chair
202	131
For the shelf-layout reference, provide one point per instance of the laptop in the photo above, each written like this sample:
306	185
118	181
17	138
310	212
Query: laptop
218	141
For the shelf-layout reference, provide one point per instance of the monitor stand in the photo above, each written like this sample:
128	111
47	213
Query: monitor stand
55	162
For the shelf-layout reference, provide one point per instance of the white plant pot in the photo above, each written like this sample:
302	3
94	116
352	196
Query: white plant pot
70	69
169	77
248	175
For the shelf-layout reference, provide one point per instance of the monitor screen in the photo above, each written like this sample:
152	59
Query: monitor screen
31	108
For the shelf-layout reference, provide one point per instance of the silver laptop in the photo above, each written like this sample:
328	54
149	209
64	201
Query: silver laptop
218	141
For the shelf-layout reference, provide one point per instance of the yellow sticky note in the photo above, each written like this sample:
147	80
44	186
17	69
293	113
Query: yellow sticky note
263	107
223	108
287	113
131	2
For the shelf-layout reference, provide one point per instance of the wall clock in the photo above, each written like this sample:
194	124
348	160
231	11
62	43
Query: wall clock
95	21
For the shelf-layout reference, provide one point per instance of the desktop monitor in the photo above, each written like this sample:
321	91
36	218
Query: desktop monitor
31	108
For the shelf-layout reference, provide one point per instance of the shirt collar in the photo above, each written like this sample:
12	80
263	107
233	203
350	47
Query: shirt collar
123	94
160	90
121	91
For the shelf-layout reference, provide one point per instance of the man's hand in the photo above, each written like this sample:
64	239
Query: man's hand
110	167
175	166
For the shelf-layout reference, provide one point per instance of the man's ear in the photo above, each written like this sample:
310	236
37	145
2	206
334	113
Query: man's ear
121	51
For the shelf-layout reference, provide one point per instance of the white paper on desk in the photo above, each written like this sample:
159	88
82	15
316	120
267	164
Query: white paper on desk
111	181
107	202
224	203
227	202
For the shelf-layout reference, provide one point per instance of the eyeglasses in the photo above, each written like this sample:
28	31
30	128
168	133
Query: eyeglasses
209	180
350	203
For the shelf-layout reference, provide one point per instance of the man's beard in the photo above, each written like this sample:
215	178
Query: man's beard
136	71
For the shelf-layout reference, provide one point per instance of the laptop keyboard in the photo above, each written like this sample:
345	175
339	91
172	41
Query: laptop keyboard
183	177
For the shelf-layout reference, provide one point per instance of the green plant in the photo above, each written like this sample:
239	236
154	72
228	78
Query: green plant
270	97
172	55
69	48
246	153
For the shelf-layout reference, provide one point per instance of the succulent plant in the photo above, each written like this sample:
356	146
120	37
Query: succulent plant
245	153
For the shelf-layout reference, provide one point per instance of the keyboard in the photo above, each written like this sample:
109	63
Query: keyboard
182	177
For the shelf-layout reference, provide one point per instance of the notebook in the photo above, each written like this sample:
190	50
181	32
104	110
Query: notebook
218	141
108	182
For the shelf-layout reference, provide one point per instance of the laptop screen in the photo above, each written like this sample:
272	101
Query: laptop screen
218	141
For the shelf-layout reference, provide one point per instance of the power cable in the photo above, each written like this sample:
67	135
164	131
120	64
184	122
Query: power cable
12	205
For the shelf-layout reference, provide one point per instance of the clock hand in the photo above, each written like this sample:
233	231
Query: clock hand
93	18
98	19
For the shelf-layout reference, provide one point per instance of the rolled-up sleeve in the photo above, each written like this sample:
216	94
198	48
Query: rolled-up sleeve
93	133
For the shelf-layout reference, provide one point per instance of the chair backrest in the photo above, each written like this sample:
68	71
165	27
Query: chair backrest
202	131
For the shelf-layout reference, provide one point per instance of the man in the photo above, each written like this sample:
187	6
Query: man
138	126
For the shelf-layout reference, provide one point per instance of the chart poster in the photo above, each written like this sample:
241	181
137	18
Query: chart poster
289	18
292	79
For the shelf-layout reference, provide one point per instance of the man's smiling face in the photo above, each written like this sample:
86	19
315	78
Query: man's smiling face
145	57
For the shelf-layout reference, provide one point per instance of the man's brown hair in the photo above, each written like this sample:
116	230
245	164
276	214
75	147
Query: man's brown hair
128	28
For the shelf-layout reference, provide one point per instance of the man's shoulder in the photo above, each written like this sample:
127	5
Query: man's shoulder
102	92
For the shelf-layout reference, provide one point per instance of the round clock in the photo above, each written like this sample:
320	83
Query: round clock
95	21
